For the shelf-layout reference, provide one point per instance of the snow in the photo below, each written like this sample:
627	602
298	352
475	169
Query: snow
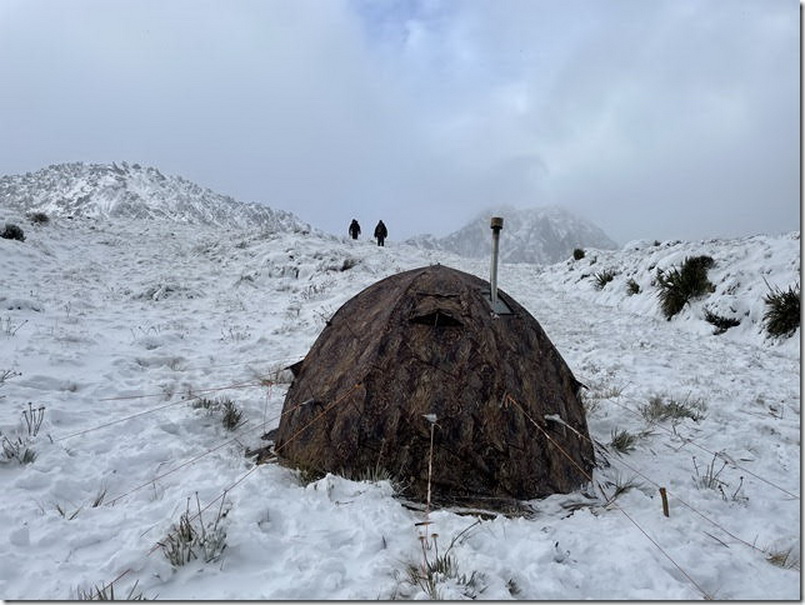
114	326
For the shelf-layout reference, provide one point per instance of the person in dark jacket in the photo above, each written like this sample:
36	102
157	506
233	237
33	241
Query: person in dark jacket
381	233
354	229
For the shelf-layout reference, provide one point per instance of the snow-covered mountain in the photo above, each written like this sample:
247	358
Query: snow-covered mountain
534	235
135	191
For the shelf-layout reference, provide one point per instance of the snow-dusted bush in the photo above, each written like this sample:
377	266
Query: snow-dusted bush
782	312
13	231
578	254
680	285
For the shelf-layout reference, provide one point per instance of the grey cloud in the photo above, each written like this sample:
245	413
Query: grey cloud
654	119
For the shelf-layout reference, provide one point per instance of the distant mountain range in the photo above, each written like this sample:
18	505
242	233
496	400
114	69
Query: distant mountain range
535	235
135	191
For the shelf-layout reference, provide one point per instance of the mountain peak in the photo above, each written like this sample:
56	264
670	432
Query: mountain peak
546	234
134	191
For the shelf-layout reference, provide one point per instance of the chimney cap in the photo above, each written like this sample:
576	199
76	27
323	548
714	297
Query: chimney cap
496	223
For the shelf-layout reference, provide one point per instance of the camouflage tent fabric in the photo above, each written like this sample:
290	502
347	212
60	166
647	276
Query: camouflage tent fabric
423	346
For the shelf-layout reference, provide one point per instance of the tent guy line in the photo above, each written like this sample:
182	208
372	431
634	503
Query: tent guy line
612	500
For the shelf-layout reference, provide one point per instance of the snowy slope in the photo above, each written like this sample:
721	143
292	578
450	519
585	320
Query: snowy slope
745	270
534	235
131	190
115	326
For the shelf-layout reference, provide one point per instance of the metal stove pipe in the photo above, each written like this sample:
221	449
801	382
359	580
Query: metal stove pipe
496	225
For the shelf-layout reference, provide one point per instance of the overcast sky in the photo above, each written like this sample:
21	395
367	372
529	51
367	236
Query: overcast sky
654	119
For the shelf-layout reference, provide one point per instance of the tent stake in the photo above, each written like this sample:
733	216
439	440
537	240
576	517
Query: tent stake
664	497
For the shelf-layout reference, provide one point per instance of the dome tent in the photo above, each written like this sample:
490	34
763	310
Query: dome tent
424	343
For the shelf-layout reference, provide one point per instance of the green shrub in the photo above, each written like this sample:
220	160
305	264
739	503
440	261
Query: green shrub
782	312
13	231
578	254
678	286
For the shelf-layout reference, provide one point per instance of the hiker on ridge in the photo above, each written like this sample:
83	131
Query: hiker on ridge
354	229
381	233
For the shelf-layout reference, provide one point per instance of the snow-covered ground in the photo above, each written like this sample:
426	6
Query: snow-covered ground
117	327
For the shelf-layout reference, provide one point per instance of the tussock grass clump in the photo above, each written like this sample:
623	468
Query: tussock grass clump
593	394
191	538
678	286
64	513
20	447
624	442
658	410
38	218
13	231
305	475
785	558
5	375
9	327
107	593
441	571
782	311
721	323
602	278
614	488
97	501
376	474
231	414
349	263
710	478
203	403
444	570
